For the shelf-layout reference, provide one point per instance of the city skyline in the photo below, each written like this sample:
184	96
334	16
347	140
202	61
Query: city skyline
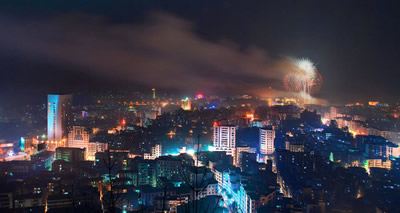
200	107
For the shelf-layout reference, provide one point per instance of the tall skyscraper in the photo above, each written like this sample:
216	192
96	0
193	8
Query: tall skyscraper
225	139
186	104
267	137
59	116
333	113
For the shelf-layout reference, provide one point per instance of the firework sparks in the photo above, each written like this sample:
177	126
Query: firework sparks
304	78
306	65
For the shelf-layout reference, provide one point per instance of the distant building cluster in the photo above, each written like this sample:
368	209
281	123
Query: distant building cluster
160	153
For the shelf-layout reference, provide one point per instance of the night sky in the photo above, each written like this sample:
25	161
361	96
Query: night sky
216	47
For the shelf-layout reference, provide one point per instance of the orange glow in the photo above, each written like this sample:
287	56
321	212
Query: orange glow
373	103
250	117
355	104
123	122
355	133
171	133
290	134
163	104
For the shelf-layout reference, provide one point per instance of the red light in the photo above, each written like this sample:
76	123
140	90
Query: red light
123	122
199	96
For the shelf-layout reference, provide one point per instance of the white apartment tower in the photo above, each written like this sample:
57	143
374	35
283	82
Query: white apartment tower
267	137
156	152
225	139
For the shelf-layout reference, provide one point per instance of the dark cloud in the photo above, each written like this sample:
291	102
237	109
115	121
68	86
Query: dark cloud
354	44
162	52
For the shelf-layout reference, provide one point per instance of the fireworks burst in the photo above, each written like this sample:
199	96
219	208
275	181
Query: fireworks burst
304	78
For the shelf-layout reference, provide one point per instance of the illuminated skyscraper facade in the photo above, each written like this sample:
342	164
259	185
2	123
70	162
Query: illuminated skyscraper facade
78	137
186	104
59	116
267	137
225	139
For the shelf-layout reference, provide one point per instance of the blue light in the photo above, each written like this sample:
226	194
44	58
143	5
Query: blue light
22	146
51	117
55	115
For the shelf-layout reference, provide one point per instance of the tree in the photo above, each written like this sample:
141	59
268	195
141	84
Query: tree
197	179
111	198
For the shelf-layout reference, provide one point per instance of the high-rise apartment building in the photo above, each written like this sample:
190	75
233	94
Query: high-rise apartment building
225	139
147	173
155	152
267	137
169	167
